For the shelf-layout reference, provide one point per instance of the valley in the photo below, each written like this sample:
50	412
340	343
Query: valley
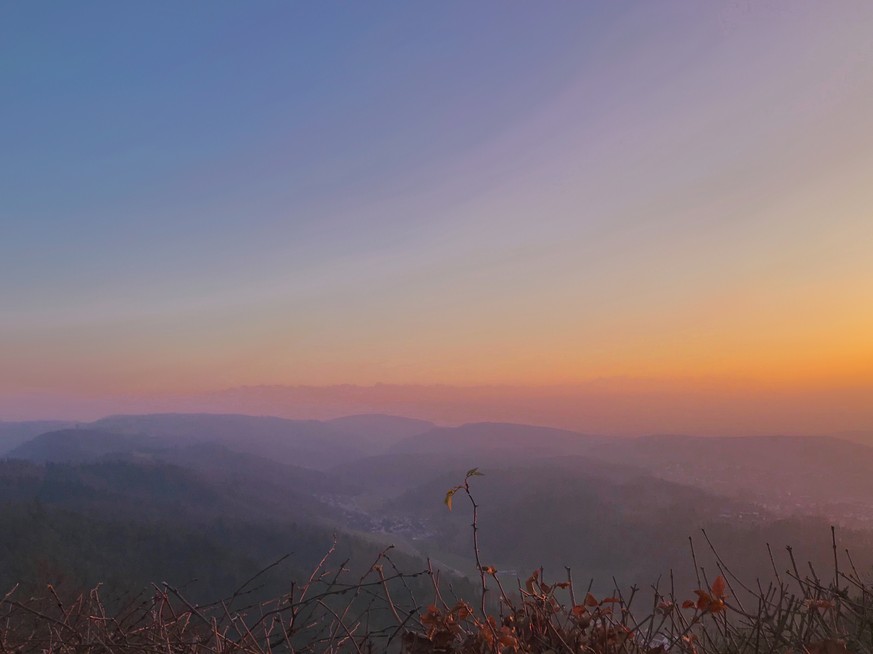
616	511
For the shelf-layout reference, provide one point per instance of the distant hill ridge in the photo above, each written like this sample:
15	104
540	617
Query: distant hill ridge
79	445
549	496
13	434
308	443
784	473
492	437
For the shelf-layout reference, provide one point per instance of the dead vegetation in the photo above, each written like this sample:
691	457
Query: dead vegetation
793	613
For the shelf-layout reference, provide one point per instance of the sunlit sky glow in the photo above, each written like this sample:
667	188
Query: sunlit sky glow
198	196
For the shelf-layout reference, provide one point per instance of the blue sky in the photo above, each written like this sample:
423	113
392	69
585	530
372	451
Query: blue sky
164	140
200	195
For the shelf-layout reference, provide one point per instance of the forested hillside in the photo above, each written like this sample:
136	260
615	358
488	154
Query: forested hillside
614	511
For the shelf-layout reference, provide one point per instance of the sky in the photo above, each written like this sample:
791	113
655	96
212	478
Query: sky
211	195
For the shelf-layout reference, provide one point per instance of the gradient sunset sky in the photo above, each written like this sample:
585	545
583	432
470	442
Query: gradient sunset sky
204	195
